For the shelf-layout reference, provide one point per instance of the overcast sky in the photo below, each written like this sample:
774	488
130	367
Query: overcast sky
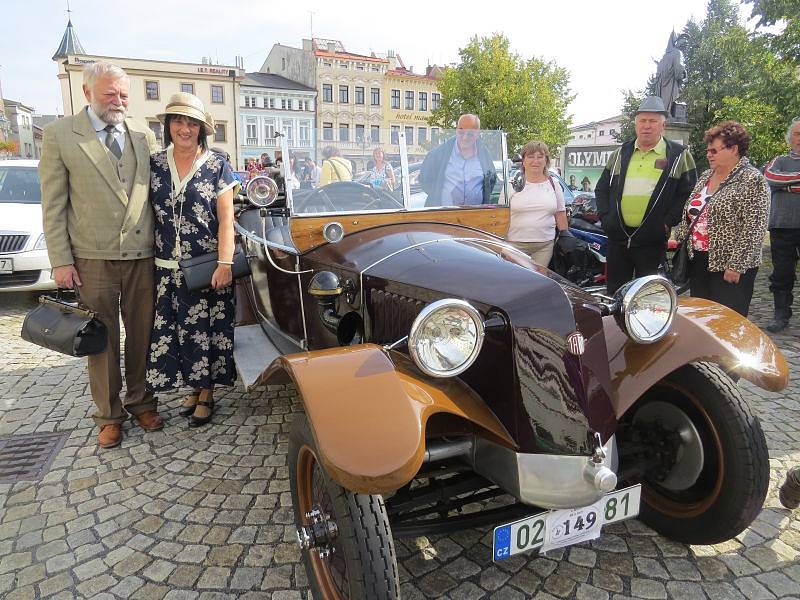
606	46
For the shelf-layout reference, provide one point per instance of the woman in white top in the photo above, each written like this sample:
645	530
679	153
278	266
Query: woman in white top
538	209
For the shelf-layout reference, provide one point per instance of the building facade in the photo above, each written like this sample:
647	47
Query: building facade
585	156
411	98
354	102
270	104
20	118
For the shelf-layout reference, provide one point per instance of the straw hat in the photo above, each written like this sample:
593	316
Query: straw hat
188	105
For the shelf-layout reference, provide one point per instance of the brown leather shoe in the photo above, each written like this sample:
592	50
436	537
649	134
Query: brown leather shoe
110	435
150	420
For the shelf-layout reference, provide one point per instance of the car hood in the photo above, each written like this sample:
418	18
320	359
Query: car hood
549	398
26	218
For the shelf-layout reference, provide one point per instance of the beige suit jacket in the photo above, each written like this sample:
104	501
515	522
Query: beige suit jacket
86	210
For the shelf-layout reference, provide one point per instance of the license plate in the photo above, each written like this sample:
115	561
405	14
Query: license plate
557	528
6	265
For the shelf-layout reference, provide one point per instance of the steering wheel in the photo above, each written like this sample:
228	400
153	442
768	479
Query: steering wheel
346	196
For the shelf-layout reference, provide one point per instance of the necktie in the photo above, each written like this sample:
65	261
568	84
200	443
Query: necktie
111	142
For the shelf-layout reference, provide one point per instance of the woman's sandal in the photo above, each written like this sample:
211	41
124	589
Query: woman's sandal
186	408
206	400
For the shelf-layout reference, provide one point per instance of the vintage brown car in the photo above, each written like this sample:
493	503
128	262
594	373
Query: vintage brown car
448	382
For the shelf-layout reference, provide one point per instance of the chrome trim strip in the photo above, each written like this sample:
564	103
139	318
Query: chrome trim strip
546	480
259	240
304	341
404	169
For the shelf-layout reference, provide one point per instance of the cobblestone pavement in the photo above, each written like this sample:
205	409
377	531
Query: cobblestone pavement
207	513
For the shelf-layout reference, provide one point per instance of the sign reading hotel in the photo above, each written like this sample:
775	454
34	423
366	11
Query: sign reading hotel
409	116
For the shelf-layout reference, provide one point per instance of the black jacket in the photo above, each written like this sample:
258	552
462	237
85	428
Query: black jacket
432	173
666	202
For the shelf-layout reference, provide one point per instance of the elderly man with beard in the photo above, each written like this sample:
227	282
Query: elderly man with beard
98	224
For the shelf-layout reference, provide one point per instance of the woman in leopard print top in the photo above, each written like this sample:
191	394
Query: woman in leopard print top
733	200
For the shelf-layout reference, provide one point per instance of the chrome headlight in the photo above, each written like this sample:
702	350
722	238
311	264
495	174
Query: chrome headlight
446	337
647	308
262	191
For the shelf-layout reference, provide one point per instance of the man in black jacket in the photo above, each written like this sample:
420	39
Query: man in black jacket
461	170
640	196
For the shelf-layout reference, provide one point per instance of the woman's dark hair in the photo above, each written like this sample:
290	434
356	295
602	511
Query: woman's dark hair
731	133
202	137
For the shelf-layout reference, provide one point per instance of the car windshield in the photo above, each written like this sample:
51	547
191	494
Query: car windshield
413	168
19	184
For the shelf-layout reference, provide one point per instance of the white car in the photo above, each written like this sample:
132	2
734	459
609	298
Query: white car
24	265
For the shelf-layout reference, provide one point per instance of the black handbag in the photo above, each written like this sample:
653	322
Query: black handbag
65	327
679	269
198	270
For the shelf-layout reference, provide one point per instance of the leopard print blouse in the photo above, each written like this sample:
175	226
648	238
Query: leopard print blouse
737	219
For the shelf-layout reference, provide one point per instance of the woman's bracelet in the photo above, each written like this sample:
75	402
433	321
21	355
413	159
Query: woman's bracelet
224	262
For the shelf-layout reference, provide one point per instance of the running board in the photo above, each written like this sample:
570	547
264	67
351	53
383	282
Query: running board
253	352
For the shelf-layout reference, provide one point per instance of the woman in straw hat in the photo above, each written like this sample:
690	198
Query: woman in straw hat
191	191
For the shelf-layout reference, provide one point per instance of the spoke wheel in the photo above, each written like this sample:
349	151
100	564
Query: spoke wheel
358	562
709	468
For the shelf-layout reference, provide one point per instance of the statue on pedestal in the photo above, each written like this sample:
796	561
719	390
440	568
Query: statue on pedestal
671	75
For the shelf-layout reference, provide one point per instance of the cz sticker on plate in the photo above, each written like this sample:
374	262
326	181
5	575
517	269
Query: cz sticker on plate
556	528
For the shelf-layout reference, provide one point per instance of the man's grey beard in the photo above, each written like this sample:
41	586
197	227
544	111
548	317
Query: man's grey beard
109	116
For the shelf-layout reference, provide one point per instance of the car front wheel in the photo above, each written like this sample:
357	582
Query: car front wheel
347	540
700	455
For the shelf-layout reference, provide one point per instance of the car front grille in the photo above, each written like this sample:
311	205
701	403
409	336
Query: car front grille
19	278
12	242
392	315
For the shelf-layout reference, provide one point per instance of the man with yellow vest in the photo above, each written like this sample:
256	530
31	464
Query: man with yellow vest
641	194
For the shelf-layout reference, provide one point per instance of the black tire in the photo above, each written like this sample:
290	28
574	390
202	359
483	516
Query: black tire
363	565
733	478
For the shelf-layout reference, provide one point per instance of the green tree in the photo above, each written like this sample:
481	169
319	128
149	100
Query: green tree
785	13
526	98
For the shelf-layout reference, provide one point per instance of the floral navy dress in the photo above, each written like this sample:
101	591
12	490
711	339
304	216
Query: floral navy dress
192	339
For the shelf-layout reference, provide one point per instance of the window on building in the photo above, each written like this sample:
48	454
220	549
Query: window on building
359	95
327	63
187	88
375	96
283	64
602	132
343	64
409	135
327	131
305	134
287	130
612	132
157	129
217	94
422	135
375	68
409	100
220	133
360	133
434	133
396	99
395	139
269	131
344	94
283	103
344	132
375	133
435	99
327	92
423	101
359	66
251	129
151	90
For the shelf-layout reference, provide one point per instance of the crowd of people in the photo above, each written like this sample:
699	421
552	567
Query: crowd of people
161	206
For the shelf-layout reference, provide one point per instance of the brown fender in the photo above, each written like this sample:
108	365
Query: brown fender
368	410
702	331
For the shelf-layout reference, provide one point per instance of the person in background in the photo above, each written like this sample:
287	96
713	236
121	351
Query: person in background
381	175
191	192
265	161
460	171
227	158
640	195
311	174
783	176
732	200
538	209
95	172
334	167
